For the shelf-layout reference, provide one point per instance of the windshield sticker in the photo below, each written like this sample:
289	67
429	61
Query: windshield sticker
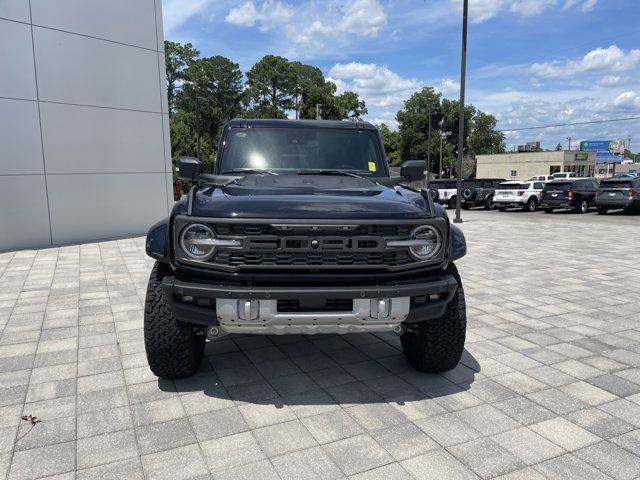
372	166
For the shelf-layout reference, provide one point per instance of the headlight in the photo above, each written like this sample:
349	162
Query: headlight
429	245
198	241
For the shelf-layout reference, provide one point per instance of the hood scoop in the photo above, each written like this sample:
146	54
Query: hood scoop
303	185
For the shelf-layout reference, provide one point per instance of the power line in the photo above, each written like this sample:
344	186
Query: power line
569	124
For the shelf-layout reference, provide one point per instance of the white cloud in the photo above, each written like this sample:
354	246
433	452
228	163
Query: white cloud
377	84
601	59
529	8
448	87
483	10
268	16
363	18
588	5
176	12
629	101
526	109
310	27
610	80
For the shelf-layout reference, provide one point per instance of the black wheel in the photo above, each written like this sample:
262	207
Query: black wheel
602	210
174	350
582	207
502	209
531	205
548	210
452	202
435	193
437	345
489	204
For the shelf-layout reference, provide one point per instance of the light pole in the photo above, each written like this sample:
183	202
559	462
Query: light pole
463	75
198	133
569	138
429	151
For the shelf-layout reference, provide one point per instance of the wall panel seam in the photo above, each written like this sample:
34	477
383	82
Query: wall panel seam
103	106
160	80
98	38
44	163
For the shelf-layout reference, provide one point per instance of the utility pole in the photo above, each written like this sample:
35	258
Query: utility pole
318	110
569	138
440	169
429	151
463	75
198	133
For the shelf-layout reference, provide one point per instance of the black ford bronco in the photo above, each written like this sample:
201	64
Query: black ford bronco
301	230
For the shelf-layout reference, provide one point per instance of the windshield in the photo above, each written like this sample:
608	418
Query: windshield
509	186
613	184
294	149
557	186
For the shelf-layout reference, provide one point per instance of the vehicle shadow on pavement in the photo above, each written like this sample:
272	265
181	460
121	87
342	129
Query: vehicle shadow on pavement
313	376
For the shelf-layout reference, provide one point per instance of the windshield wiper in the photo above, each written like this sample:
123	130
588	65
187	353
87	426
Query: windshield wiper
250	170
323	171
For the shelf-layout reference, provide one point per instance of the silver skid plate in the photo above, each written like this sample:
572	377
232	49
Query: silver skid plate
262	317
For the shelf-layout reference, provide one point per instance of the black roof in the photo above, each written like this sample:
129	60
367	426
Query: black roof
270	122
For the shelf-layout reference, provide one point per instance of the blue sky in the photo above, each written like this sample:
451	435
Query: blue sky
531	62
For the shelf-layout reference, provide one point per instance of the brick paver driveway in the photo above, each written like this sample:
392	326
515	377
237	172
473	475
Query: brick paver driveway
549	386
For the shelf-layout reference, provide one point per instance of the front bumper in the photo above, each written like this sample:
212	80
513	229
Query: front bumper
222	305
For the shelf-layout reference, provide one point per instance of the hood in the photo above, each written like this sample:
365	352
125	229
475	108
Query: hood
308	196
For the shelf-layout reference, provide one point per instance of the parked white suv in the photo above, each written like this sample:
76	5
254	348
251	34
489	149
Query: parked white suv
541	178
525	195
561	175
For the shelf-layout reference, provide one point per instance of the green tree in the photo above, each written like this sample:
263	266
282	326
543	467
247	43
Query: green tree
217	83
483	137
480	133
178	58
351	106
271	85
392	143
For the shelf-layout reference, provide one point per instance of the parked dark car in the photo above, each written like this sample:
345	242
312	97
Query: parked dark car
618	193
578	194
479	192
301	230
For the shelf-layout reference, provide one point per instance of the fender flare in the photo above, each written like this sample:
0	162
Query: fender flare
457	243
157	243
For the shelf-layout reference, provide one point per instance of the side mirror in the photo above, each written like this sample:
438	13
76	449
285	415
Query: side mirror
413	170
189	168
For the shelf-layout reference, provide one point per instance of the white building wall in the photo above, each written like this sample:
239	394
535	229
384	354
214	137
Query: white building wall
84	143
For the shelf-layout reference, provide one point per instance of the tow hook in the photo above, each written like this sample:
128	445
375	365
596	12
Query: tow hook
398	330
215	332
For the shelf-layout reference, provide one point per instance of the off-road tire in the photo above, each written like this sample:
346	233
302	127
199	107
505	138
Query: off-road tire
174	350
452	202
602	210
436	345
489	204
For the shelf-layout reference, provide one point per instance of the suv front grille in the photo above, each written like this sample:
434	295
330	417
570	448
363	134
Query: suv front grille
239	258
309	247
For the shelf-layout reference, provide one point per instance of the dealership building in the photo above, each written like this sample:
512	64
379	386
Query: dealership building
523	165
85	152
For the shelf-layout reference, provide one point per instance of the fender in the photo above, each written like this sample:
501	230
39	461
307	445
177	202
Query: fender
457	243
157	244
